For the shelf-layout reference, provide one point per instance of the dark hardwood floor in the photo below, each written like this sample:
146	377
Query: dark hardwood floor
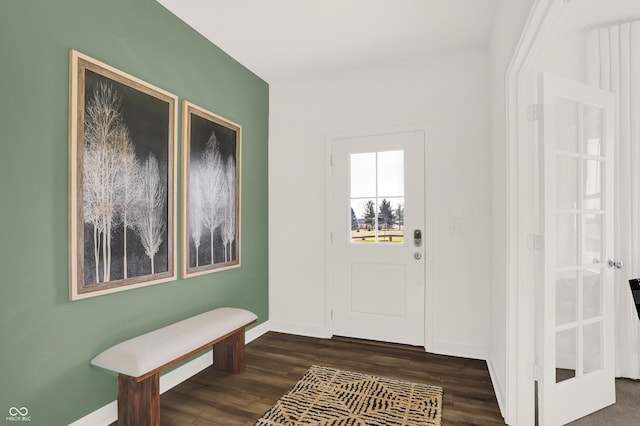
276	361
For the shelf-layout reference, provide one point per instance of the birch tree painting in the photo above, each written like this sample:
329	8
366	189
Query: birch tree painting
211	148
122	143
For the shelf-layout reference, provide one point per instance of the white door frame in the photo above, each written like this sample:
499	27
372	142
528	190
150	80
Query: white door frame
427	232
522	263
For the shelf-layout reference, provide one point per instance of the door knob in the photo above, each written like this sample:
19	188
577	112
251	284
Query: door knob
417	256
617	263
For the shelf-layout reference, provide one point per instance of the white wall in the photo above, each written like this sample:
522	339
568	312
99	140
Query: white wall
566	56
509	22
451	93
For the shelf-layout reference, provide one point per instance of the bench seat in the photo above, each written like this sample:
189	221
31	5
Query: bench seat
140	360
155	350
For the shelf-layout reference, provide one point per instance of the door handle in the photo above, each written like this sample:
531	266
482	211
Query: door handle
617	263
417	255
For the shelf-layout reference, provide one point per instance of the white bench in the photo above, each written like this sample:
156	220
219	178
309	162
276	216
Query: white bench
140	360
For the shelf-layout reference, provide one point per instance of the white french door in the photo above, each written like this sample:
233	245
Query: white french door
577	347
378	219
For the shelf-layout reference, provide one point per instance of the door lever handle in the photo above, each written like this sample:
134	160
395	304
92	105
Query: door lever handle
617	263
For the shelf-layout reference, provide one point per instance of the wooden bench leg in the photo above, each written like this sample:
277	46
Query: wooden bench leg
229	355
139	401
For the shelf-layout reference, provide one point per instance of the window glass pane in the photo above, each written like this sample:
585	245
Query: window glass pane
363	220
592	170
592	349
567	240
592	293
566	182
363	175
592	245
566	125
566	297
593	120
390	174
391	220
566	354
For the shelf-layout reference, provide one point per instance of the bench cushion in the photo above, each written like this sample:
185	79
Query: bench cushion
140	355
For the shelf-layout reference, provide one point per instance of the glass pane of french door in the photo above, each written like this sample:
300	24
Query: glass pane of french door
580	163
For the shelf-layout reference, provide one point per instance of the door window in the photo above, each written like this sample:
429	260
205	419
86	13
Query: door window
377	197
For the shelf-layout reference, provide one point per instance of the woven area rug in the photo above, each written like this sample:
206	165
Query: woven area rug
326	396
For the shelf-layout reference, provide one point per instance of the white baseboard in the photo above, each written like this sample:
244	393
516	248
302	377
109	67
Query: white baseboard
498	387
257	331
463	350
174	377
109	413
299	329
102	416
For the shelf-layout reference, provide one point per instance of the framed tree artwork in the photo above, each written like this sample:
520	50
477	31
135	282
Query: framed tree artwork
210	191
122	180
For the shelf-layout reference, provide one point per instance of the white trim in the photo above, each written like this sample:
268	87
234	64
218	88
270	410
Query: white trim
257	331
498	386
175	377
328	229
460	350
520	394
108	414
429	249
299	329
101	417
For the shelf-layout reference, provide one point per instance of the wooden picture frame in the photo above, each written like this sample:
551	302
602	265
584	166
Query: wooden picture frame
211	151
122	180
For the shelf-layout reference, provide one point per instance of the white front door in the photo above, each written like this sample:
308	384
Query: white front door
378	224
577	347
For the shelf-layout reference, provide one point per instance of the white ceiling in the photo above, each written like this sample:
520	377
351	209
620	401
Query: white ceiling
279	39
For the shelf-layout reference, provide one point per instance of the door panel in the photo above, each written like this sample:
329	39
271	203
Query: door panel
371	292
378	271
577	316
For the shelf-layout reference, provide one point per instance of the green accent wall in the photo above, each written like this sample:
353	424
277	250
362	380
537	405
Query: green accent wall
47	341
